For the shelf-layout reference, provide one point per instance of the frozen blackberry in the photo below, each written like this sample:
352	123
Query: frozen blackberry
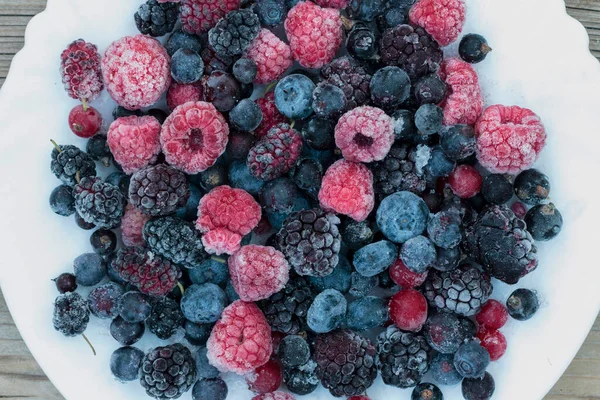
156	19
71	314
311	241
496	189
532	186
176	240
126	333
158	190
165	318
125	363
463	290
168	372
183	40
301	380
233	34
398	172
346	362
62	201
402	357
99	203
70	165
104	241
318	133
522	304
245	70
98	149
286	310
430	89
347	74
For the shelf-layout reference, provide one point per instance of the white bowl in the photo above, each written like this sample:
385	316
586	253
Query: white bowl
540	61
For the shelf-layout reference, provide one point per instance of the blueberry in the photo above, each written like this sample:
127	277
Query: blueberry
393	17
126	333
89	269
471	360
444	332
271	12
430	89
496	189
293	96
113	275
244	70
361	42
239	144
134	307
544	221
276	218
66	283
182	40
240	177
389	87
246	115
418	254
318	133
293	351
278	195
222	90
62	201
439	165
203	303
98	149
204	370
120	180
231	293
125	363
375	258
473	48
426	391
186	66
367	313
365	10
328	101
209	271
189	212
215	175
104	241
362	285
213	389
444	229
404	125
447	259
532	187
197	334
83	224
307	175
327	311
159	114
458	141
401	216
340	279
356	234
302	380
479	388
443	371
522	304
428	119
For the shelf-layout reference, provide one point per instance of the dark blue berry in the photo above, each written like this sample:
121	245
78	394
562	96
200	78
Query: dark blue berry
126	333
134	307
532	186
209	271
222	90
231	293
276	218
356	234
401	216
125	363
458	142
428	119
103	301
318	133
365	10
278	195
447	259
203	303
213	389
444	229
214	176
83	224
244	70
340	279
307	175
113	275
404	125
362	285
367	313
104	241
291	3
418	254
361	42
473	48
182	40
443	371
271	12
433	200
98	149
430	89
444	332
189	212
239	144
522	304
120	180
89	269
159	114
62	201
302	380
544	221
439	165
120	111
375	258
390	86
496	189
471	360
293	96
66	283
327	311
329	101
204	370
468	326
293	351
186	66
241	177
393	17
426	391
197	334
246	115
479	388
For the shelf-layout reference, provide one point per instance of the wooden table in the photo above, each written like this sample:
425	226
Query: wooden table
21	377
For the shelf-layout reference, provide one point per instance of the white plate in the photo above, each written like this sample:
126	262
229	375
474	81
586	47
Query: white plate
540	60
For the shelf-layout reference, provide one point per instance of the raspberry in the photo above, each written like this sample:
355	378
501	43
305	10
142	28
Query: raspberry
271	55
465	181
266	378
194	136
347	188
278	395
275	153
314	33
179	94
494	342
509	138
271	115
136	71
339	4
442	19
132	225
224	216
364	134
158	190
198	16
404	277
257	272
240	341
464	103
408	310
347	74
80	70
493	315
134	142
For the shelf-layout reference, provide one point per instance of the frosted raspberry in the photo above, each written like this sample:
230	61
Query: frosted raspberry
258	271
465	181
314	33
132	224
442	19
194	136
278	395
134	141
509	138
339	4
347	188
198	16
364	134
271	115
464	103
241	340
80	70
272	56
179	94
276	153
225	215
136	71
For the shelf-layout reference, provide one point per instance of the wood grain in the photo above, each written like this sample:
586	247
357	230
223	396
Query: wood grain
22	379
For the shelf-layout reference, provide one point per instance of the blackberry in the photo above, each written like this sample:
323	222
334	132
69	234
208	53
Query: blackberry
222	90
125	363
165	318
522	304
361	42
286	310
389	87
402	357
311	241
473	48
532	186
62	201
347	74
345	362
98	149
156	19
168	372
99	203
126	333
183	40
158	190
318	133
412	49
398	172
501	243
104	241
301	380
245	70
71	314
176	240
103	301
430	89
66	283
233	34
496	189
271	12
186	66
463	290
70	164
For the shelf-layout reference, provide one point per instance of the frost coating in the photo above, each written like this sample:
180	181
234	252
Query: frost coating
271	55
464	103
134	142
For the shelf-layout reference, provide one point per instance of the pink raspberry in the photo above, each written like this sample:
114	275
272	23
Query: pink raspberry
314	33
464	103
134	141
136	71
272	56
257	272
339	4
509	138
240	341
347	188
465	181
271	115
276	153
278	395
364	134
442	19
194	136
179	94
132	224
225	215
198	16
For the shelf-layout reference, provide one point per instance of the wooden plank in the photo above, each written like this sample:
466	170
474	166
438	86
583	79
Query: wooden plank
21	7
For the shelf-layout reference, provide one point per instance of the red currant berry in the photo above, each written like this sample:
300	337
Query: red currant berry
266	378
85	123
465	181
404	277
408	310
494	342
493	315
519	209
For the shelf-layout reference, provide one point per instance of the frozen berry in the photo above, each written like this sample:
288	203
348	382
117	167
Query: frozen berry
327	311
246	115
203	303
458	142
365	10
214	389
408	310
426	391
522	304
329	101
66	283
418	254
125	363
493	315
103	301
465	181
493	341
361	286
266	378
89	269
197	335
84	121
104	241
83	224
428	119
404	277
70	164
471	360
367	313
473	48
80	70
404	125
278	395
271	12
464	102
198	16
278	195
212	177
390	86
134	142
126	333
519	209
375	258
245	70
156	18
132	224
186	66
183	40
318	133
134	307
221	90
293	351
430	89
401	216
443	371
496	189
179	94
293	96
532	186
71	314
443	19
444	332
272	56
97	147
361	42
62	201
544	221
478	388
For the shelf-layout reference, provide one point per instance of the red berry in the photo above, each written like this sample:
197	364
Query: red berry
408	310
272	56
442	19
404	277
464	102
358	398
494	342
276	338
278	395
465	181
519	209
266	378
85	123
493	315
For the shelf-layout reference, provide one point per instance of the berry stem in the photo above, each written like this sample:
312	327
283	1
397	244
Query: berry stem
181	288
85	105
347	23
89	343
56	145
292	123
270	86
218	259
77	176
485	48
